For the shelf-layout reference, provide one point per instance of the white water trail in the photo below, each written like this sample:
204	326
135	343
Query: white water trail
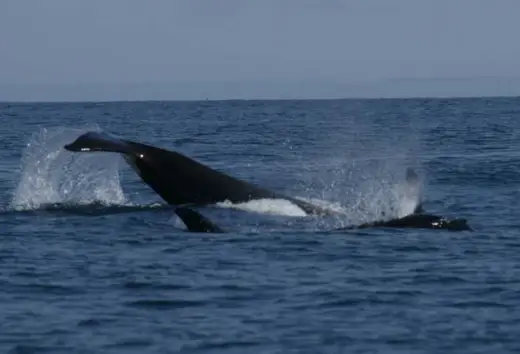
51	175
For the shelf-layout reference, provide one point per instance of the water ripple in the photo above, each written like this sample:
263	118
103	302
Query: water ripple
94	273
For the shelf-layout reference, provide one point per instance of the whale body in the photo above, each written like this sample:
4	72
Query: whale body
180	180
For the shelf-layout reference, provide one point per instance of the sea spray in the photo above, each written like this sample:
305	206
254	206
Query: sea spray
52	175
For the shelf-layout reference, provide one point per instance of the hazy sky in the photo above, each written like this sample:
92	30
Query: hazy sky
84	41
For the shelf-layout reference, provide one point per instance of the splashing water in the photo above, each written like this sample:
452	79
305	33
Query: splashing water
375	200
370	191
365	190
52	175
382	199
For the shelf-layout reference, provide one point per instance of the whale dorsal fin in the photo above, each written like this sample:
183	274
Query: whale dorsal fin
411	176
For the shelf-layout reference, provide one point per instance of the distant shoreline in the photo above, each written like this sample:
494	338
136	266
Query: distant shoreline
456	88
437	98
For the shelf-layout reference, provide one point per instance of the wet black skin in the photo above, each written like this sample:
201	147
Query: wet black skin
179	179
195	222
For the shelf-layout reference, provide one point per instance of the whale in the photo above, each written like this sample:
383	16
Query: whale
179	179
182	181
417	221
196	222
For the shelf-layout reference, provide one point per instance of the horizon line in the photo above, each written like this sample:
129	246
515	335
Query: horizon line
270	81
361	98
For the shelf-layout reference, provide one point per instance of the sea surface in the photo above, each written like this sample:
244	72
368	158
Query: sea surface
93	261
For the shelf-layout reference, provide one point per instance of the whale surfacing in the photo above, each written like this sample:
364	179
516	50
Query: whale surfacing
417	221
196	222
179	179
182	181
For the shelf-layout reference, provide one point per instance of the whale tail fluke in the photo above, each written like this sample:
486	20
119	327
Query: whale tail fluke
95	141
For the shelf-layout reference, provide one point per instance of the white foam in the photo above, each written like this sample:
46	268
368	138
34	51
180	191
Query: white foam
50	174
407	206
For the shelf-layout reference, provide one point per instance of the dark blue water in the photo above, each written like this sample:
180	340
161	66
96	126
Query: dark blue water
91	261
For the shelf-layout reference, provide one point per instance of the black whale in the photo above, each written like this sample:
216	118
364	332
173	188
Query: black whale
417	221
179	179
195	222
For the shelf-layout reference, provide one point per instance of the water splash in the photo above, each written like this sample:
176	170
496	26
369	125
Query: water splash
52	175
363	190
376	199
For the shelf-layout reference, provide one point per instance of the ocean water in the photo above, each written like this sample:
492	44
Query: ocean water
92	261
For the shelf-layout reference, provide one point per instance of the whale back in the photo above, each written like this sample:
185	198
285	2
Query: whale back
179	179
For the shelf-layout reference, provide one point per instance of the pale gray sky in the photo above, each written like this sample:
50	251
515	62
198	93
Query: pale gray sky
120	41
